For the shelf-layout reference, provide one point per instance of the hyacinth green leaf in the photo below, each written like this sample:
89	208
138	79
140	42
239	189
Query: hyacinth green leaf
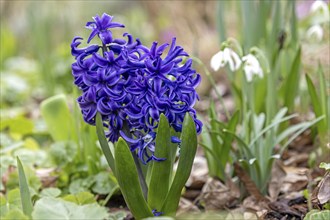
129	183
57	116
24	190
187	155
104	143
161	170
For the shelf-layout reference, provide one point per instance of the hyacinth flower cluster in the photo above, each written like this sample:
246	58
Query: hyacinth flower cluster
131	85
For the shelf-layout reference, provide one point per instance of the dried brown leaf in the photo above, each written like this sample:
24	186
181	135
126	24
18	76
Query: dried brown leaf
249	184
215	195
321	193
198	174
276	181
295	179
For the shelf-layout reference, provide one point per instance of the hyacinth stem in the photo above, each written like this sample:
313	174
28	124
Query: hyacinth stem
138	166
104	49
141	176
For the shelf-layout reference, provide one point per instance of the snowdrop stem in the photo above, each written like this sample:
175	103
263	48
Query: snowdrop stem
233	43
262	58
210	78
249	92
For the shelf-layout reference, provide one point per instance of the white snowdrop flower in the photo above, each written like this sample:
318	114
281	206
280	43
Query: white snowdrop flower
315	33
227	56
251	67
233	59
320	12
218	61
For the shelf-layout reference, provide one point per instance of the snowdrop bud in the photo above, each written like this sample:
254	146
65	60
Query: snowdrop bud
315	33
251	67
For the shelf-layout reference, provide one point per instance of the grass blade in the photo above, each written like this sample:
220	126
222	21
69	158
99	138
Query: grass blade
24	190
104	143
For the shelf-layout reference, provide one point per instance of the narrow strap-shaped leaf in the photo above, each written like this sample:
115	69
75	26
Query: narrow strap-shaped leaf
241	142
24	190
324	98
316	103
187	155
314	96
213	163
104	143
128	181
272	125
228	139
161	170
213	158
303	126
292	82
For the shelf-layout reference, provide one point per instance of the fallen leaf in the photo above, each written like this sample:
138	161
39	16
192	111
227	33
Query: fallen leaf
295	179
249	184
215	195
252	204
198	174
321	193
185	206
276	181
